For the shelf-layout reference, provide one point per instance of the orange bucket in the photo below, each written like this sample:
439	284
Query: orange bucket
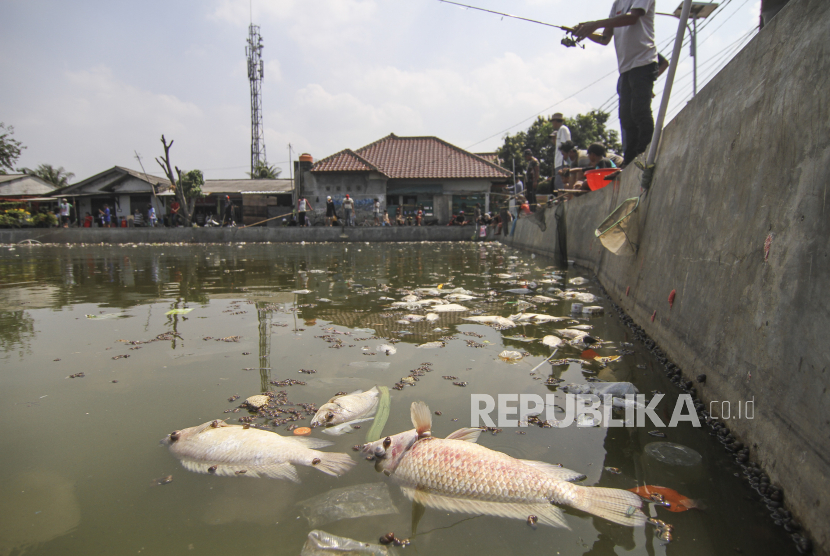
596	177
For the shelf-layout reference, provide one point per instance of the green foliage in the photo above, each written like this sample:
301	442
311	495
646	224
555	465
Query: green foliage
9	148
58	177
192	183
585	129
15	218
44	219
264	172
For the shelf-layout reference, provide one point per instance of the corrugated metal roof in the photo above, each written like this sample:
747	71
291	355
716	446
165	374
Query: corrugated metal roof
415	158
248	187
24	184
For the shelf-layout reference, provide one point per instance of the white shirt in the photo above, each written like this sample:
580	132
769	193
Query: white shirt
635	43
562	134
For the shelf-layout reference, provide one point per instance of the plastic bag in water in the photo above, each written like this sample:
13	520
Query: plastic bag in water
673	454
343	503
320	543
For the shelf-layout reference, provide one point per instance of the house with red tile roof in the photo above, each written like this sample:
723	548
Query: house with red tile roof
406	172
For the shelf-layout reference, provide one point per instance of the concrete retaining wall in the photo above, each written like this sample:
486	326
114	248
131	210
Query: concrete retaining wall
226	235
748	159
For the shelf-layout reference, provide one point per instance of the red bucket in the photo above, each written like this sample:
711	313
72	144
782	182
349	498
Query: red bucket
596	178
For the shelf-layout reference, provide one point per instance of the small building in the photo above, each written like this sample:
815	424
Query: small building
405	172
254	200
23	186
123	190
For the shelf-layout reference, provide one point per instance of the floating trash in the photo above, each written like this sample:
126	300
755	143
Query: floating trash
432	345
320	543
510	356
178	312
387	349
673	454
552	341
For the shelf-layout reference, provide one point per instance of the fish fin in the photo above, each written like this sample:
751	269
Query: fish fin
309	442
619	506
374	389
332	463
467	435
275	471
555	471
547	514
421	417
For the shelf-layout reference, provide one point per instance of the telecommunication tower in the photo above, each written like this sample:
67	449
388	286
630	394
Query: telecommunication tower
255	73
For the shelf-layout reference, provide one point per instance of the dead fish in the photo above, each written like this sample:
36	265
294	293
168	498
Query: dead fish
492	320
413	318
432	345
455	474
542	299
535	318
431	317
578	281
459	297
221	449
343	409
449	308
301	292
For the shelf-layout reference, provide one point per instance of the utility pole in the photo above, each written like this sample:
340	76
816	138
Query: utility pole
253	50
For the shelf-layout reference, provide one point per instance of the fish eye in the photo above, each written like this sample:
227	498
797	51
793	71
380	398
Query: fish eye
329	416
387	442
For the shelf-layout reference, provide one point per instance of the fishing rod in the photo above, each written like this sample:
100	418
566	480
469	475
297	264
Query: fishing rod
567	41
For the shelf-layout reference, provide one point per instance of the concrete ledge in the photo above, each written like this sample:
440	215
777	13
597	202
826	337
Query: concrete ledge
231	235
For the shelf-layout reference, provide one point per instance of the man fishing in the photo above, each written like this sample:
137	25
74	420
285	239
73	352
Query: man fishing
631	24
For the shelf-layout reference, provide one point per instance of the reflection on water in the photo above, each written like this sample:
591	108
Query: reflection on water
80	454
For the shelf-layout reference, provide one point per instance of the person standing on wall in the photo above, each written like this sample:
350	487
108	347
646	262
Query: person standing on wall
151	216
531	178
303	206
330	214
631	24
66	208
227	213
348	209
376	211
561	134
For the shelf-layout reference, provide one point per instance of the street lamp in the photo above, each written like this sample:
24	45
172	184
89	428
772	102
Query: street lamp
700	10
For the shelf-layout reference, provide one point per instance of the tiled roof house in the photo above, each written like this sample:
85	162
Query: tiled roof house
404	171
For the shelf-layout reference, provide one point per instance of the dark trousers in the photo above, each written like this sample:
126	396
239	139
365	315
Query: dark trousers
635	88
530	195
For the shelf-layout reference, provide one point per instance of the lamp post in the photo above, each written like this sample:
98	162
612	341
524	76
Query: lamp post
699	10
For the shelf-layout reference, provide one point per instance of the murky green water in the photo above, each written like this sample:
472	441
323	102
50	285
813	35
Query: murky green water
80	456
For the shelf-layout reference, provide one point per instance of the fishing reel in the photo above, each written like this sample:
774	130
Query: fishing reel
570	40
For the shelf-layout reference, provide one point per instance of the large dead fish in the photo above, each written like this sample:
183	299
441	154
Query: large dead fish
492	320
535	318
456	474
221	449
348	408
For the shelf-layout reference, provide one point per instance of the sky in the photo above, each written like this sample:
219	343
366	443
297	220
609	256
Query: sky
87	84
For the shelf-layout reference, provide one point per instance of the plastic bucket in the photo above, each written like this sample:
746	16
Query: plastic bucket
596	177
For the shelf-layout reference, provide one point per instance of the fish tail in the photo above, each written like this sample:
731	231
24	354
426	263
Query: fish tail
619	506
332	463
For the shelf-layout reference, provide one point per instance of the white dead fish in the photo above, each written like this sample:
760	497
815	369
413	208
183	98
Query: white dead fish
581	327
301	292
410	298
343	409
542	299
452	307
460	291
571	333
552	341
429	291
578	281
459	297
505	276
221	449
582	297
492	320
455	474
431	317
535	318
510	356
413	318
432	345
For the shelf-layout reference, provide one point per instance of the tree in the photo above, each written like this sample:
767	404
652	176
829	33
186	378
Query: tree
585	129
264	172
187	187
9	148
58	177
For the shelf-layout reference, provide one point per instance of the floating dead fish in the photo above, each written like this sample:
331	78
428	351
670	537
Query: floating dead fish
520	338
505	276
459	297
578	281
571	333
452	307
542	299
532	318
581	327
582	297
510	356
457	475
324	300
413	318
492	320
431	317
410	298
348	408
301	292
432	345
221	449
519	291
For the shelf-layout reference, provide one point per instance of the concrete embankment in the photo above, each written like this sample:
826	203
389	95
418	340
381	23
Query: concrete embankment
737	222
231	235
